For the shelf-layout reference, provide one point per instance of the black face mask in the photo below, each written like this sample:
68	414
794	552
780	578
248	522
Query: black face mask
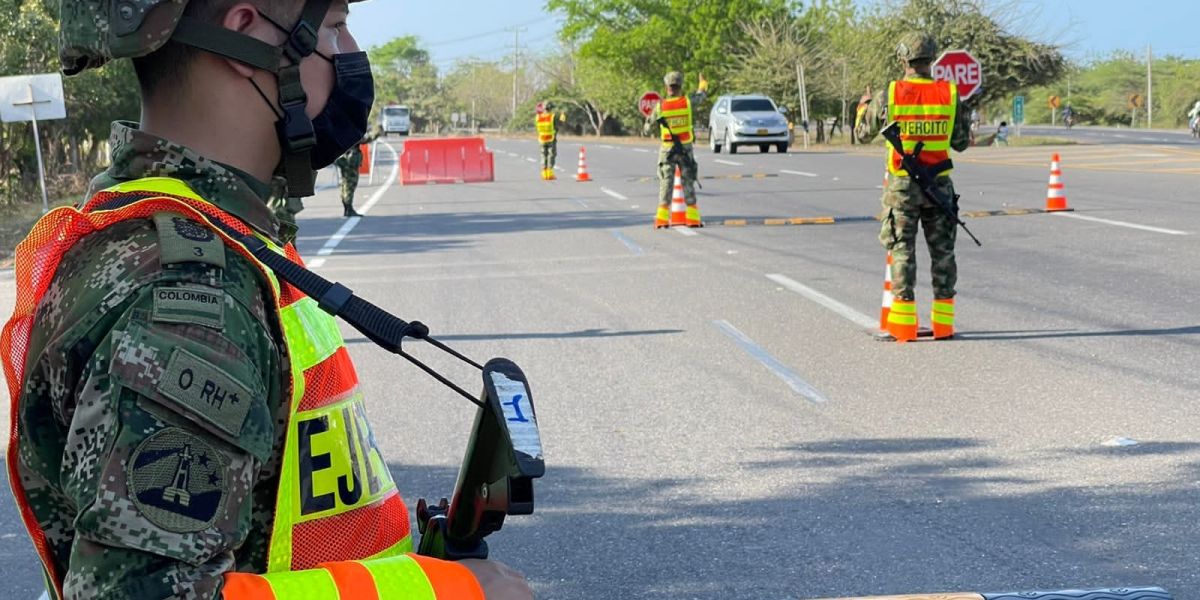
343	122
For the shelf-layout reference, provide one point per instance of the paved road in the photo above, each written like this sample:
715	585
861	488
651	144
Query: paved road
1114	135
718	421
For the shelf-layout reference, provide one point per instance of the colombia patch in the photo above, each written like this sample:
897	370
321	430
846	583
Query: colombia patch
177	481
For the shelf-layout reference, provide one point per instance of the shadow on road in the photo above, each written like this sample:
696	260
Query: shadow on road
1071	333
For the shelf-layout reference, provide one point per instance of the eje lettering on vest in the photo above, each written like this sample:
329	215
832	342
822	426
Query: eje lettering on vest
337	454
920	128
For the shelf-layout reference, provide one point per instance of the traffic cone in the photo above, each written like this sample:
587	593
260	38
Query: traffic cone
679	207
582	174
886	308
1056	195
943	318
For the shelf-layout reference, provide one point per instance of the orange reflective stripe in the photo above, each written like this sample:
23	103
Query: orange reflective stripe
353	580
245	586
450	580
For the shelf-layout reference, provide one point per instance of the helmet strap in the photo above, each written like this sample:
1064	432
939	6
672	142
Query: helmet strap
294	129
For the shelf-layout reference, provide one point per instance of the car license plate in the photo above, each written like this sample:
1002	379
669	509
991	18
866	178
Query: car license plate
762	132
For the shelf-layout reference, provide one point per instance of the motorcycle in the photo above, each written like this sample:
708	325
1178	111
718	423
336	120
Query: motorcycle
1194	125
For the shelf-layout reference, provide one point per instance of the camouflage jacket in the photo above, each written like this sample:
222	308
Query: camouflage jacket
128	461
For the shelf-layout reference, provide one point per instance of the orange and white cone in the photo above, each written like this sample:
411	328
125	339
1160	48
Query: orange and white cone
1056	195
679	207
886	308
902	321
582	173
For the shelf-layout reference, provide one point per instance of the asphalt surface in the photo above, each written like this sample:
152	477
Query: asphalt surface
718	422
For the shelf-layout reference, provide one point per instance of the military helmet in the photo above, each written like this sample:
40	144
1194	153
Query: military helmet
548	106
92	32
674	78
917	46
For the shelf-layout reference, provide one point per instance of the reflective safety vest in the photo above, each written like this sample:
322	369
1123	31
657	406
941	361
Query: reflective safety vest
545	127
678	114
925	110
336	500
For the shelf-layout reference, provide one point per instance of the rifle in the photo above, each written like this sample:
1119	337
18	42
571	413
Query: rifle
924	177
678	155
503	458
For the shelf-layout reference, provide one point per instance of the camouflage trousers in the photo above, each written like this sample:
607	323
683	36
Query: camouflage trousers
549	155
904	206
666	177
349	184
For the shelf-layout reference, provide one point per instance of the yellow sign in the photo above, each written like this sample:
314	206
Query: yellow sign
1055	102
1136	101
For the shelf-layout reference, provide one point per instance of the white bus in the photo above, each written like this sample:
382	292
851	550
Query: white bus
396	120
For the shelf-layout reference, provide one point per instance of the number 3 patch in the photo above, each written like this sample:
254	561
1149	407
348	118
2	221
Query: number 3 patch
183	240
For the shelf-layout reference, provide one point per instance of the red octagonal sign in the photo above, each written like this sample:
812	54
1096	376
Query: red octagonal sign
648	101
961	68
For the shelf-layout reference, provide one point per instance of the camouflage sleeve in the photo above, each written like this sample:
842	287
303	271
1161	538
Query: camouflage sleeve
870	118
960	137
651	122
169	422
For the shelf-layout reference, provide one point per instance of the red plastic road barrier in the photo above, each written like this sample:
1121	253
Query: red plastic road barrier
365	167
446	160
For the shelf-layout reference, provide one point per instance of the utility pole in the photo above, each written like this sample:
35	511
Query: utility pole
1149	88
516	57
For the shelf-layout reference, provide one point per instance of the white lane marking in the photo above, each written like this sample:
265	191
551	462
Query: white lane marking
632	245
1120	135
613	194
800	173
532	160
1121	224
642	150
580	202
688	231
841	309
606	147
1119	442
727	162
794	381
1147	139
353	222
316	263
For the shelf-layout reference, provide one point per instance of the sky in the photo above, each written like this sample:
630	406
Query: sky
460	29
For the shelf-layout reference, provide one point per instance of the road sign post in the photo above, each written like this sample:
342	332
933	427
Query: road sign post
961	68
1018	113
33	98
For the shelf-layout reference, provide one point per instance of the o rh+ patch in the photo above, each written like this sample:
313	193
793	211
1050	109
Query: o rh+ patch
177	481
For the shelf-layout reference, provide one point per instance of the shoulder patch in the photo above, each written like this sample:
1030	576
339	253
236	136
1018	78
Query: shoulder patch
189	304
183	240
206	390
178	481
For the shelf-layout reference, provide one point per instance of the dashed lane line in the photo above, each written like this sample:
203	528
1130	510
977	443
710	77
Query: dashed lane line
1122	224
614	194
800	173
837	307
352	222
794	381
629	243
727	162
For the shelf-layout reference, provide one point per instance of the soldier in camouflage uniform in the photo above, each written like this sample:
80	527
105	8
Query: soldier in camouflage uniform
689	172
348	165
904	205
139	491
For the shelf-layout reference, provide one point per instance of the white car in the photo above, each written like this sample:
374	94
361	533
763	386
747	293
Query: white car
749	120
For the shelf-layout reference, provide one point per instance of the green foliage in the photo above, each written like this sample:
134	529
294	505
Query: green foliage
405	75
72	147
1100	91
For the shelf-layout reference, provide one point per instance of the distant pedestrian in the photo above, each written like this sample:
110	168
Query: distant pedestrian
348	165
1001	134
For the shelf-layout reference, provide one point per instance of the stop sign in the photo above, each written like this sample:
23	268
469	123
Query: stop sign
961	68
648	102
